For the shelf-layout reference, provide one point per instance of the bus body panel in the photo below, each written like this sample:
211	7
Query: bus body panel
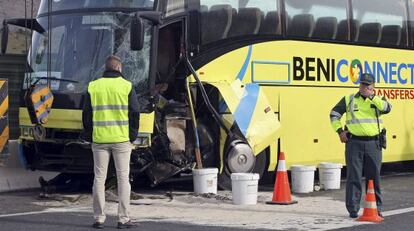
58	118
304	80
72	119
251	111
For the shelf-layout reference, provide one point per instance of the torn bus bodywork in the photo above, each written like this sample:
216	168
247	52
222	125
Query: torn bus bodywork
158	61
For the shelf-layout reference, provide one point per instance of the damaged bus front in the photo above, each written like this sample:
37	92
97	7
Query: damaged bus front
180	108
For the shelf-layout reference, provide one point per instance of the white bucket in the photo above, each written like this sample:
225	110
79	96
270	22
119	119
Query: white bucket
330	175
244	188
205	180
302	178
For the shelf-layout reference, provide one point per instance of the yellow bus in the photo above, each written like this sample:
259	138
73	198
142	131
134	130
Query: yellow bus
241	80
305	56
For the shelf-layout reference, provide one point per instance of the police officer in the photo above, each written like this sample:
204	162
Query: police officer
363	152
111	119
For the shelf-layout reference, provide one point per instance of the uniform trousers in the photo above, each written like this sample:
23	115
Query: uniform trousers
362	157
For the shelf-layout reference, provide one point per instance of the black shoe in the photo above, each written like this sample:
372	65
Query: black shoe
98	225
380	214
353	215
42	182
49	189
126	225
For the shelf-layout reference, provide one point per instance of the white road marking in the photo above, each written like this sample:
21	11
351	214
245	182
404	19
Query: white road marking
53	210
398	211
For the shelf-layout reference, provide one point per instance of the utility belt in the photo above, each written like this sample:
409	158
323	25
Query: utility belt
363	138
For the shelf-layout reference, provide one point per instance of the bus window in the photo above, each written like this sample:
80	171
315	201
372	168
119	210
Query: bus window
215	23
301	25
325	28
246	21
221	19
404	34
410	22
256	17
270	23
319	19
342	30
376	17
391	35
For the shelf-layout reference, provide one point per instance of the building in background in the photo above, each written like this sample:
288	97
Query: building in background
16	9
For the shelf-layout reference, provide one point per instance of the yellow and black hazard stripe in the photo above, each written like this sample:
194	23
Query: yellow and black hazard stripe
39	103
4	122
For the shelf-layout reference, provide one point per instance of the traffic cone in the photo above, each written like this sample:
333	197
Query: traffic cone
370	208
281	191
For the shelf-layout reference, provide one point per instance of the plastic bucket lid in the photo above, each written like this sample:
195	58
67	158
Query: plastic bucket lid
302	168
205	171
329	165
245	176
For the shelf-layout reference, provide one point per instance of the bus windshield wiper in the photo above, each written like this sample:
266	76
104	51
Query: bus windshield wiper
54	79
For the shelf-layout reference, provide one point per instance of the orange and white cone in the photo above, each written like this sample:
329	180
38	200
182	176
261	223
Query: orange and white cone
281	191
370	209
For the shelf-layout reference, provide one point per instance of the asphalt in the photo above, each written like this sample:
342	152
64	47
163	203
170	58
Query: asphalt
392	223
82	221
26	211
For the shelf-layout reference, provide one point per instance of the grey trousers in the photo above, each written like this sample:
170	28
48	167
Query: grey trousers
121	153
362	157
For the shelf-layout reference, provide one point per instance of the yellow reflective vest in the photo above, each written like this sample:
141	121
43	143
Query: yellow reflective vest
361	118
109	100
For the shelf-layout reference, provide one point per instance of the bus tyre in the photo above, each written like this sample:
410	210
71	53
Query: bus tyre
239	158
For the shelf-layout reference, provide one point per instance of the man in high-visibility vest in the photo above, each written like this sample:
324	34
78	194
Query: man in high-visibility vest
363	151
110	120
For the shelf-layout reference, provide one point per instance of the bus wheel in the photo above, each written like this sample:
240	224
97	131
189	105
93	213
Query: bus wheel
239	158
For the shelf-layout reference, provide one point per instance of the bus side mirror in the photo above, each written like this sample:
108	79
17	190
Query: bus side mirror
137	34
4	38
153	16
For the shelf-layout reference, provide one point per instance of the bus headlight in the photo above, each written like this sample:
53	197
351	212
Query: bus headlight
70	87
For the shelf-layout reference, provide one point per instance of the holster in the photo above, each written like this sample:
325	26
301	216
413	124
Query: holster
382	137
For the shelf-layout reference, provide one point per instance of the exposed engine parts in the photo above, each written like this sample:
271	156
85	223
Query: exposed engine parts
169	143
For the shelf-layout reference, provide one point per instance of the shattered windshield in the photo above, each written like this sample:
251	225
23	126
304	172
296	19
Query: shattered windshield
79	46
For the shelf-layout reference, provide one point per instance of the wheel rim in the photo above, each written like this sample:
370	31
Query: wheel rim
240	158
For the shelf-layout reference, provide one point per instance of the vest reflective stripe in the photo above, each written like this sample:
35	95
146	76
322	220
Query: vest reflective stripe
386	105
361	119
110	123
335	114
352	107
109	99
110	107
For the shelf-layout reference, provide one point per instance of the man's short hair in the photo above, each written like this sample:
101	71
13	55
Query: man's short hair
112	63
